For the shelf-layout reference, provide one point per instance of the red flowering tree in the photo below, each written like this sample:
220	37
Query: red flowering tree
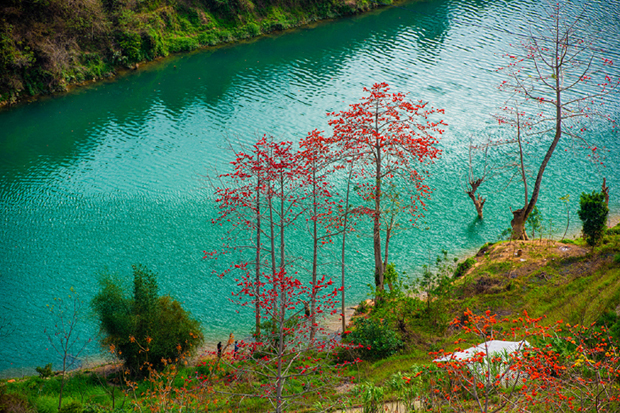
273	187
386	137
557	83
316	162
286	365
240	197
550	368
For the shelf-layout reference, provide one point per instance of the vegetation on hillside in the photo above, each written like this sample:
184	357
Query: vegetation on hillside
575	287
145	330
46	45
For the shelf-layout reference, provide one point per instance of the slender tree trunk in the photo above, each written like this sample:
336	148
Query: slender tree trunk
388	235
273	235
376	235
519	218
344	241
273	253
315	247
62	380
282	221
258	247
605	191
280	381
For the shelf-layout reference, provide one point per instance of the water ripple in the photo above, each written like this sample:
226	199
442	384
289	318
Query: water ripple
118	175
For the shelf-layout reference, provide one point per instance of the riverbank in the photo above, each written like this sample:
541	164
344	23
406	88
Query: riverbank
51	47
560	282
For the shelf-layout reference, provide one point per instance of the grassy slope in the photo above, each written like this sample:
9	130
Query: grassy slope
46	45
561	281
567	281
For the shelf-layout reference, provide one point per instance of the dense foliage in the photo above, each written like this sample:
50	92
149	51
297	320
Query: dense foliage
593	213
145	328
375	337
47	44
462	267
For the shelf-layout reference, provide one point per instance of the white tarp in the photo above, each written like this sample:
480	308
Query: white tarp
493	348
487	368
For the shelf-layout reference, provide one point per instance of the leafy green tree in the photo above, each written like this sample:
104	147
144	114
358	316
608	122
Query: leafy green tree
593	213
144	328
375	338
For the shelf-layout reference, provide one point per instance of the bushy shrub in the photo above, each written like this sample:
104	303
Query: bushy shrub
593	213
611	321
209	39
613	231
154	44
131	45
377	339
46	404
182	44
146	327
14	403
464	266
46	371
72	407
253	29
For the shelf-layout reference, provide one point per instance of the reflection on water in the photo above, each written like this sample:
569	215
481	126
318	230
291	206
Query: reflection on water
115	174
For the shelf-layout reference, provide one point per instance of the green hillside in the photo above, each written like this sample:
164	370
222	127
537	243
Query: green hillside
46	45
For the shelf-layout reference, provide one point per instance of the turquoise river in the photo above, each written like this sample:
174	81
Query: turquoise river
116	173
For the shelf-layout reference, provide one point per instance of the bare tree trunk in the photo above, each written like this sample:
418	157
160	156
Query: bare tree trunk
315	247
62	381
258	247
518	224
478	203
478	200
376	235
388	234
475	182
605	191
282	261
344	239
280	380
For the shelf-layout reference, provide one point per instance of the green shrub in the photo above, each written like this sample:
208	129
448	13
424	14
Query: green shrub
154	45
131	45
145	327
613	231
226	36
376	338
182	44
46	371
593	213
14	403
71	407
372	397
253	29
46	404
464	266
210	39
95	408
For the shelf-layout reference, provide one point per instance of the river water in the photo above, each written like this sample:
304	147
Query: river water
115	173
